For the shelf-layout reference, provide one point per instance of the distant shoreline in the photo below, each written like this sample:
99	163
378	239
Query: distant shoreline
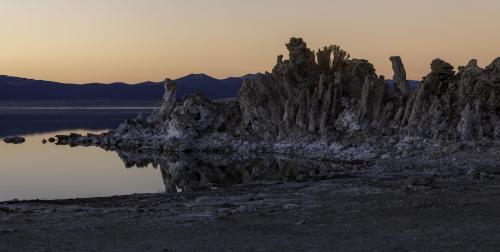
77	108
78	104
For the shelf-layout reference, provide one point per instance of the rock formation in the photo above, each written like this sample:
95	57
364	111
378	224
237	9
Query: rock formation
323	102
400	83
14	140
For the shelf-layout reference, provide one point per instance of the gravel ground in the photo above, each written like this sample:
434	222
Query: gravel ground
448	204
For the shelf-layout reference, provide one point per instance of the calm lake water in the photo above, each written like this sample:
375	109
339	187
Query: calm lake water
47	171
36	171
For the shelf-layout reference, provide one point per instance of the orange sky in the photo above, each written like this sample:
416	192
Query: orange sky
138	40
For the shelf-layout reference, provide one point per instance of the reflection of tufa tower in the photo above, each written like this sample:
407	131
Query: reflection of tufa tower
177	176
187	173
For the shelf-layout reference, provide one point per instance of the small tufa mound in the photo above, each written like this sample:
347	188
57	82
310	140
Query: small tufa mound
14	140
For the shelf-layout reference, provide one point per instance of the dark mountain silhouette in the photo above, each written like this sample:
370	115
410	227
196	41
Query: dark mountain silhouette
15	88
211	87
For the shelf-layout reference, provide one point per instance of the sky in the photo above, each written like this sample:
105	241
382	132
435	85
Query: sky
78	41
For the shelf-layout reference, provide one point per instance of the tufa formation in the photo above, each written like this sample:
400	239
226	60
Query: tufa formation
324	102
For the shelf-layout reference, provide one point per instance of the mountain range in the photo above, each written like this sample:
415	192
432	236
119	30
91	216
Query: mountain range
16	88
22	89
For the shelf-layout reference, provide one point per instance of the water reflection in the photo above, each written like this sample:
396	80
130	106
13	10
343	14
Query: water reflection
46	171
194	172
33	170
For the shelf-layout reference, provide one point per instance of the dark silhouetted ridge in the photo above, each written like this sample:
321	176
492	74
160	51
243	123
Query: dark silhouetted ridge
16	88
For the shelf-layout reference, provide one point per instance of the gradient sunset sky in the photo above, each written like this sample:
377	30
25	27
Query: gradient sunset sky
137	40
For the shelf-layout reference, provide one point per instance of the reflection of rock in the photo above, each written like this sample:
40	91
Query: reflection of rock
14	140
195	172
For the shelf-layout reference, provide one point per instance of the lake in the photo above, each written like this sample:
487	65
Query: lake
46	171
34	170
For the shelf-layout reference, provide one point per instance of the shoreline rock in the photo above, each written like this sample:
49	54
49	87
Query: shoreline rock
14	140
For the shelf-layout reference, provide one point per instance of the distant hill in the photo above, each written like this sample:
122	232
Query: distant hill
15	88
211	87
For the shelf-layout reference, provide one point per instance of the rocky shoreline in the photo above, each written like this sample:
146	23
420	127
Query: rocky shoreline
364	150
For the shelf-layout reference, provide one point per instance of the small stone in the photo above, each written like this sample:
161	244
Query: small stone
14	140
